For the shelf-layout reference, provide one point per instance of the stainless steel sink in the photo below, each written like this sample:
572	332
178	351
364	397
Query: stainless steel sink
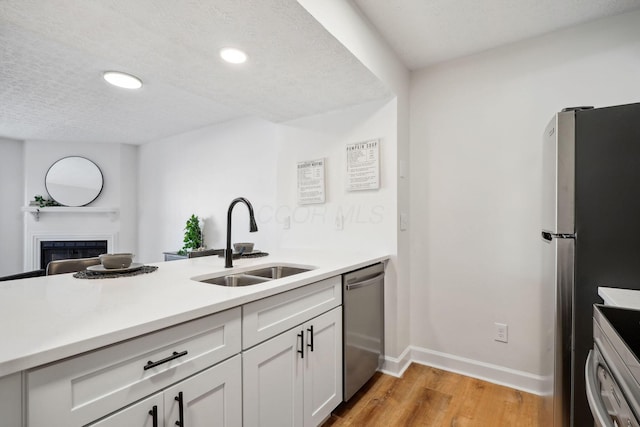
236	280
277	271
253	277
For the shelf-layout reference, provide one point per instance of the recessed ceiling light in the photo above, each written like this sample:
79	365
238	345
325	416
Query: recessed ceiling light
122	80
234	56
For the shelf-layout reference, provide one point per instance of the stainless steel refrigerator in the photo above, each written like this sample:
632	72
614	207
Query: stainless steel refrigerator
591	238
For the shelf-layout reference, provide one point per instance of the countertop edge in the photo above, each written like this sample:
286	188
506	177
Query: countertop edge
50	355
619	297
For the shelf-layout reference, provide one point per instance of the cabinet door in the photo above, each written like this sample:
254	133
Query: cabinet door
11	400
142	414
272	381
323	366
210	398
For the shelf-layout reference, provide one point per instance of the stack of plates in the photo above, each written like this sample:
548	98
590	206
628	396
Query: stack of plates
100	268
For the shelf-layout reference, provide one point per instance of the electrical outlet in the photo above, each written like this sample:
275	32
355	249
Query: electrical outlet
339	222
501	332
286	223
404	221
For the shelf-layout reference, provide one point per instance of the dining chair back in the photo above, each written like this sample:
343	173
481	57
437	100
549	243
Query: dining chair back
70	265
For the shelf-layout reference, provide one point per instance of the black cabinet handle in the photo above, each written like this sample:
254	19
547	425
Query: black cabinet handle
310	345
180	410
175	355
301	351
154	414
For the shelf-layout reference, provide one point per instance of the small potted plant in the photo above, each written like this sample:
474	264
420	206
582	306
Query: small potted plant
192	235
41	202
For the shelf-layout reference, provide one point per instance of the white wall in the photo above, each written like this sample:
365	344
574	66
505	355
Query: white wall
476	129
24	165
118	165
369	217
349	26
128	198
11	197
200	173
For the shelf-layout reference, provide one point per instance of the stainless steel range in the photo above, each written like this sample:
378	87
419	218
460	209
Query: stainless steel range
612	371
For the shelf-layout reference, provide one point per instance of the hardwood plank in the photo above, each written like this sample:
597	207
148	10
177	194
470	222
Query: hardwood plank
430	397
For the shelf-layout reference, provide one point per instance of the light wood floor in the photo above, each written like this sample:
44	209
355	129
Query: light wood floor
426	396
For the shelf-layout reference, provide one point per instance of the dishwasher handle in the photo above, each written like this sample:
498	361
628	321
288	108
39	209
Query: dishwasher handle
364	283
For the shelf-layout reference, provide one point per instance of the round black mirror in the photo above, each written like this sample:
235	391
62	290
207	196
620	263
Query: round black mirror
74	181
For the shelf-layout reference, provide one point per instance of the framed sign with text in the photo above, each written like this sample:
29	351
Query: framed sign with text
311	182
363	165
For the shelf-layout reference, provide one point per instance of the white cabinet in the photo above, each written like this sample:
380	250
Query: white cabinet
11	400
193	374
264	318
212	397
323	367
273	382
146	413
85	388
295	378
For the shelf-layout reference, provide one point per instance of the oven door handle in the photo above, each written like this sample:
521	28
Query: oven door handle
599	411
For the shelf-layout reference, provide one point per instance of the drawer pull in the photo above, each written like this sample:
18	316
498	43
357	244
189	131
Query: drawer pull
180	410
310	330
175	355
154	414
301	351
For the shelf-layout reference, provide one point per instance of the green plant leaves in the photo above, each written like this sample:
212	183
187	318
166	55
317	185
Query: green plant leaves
192	234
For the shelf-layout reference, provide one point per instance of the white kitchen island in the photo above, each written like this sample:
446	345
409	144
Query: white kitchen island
48	319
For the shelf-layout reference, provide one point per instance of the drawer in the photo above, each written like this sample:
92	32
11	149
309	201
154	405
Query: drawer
78	390
270	316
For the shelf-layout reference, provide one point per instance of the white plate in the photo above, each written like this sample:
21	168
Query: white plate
100	268
253	252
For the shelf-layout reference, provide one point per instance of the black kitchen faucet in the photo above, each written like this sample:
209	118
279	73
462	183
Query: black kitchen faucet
253	227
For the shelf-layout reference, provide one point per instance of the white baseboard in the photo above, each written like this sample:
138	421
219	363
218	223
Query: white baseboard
495	374
396	366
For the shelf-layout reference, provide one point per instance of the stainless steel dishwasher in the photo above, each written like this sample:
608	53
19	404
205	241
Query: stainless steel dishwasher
363	323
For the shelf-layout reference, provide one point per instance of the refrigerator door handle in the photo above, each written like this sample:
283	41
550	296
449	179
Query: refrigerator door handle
548	236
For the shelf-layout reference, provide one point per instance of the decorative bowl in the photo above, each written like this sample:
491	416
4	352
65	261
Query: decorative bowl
116	260
243	247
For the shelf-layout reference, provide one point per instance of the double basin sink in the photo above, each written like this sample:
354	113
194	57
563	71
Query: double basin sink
253	277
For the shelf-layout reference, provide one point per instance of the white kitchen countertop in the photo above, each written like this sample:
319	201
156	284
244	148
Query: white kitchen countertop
48	318
627	298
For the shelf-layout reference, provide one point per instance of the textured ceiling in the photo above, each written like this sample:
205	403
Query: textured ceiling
425	32
53	53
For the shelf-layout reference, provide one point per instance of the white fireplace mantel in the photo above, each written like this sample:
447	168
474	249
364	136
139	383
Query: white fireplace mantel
32	249
36	211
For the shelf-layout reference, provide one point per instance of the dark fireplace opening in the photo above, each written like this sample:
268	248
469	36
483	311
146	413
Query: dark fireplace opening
66	249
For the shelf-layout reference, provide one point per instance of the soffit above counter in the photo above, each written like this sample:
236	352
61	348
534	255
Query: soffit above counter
54	54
